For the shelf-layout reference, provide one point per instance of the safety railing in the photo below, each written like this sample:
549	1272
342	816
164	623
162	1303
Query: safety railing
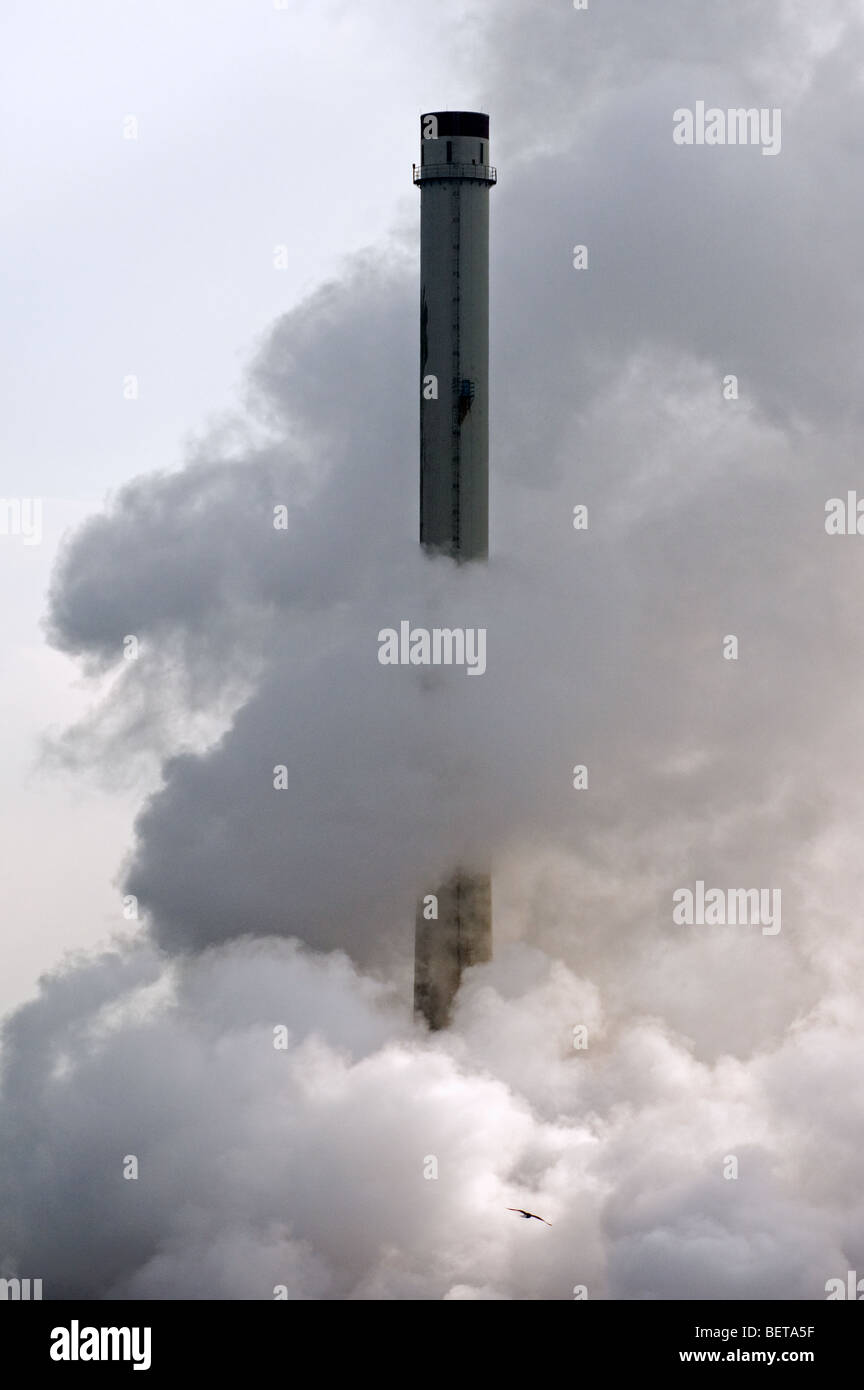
484	173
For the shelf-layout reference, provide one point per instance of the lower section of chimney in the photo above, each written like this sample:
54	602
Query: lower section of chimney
444	946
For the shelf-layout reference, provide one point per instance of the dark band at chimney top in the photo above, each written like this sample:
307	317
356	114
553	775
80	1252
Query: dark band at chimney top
469	123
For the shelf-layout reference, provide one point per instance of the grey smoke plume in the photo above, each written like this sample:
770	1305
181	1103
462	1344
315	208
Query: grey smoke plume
304	1167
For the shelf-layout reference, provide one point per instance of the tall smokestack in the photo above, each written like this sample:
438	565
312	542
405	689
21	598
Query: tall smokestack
454	922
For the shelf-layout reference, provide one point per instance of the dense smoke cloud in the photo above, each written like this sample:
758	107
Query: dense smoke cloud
304	1167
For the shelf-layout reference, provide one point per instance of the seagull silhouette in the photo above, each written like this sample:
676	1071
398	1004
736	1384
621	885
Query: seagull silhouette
530	1215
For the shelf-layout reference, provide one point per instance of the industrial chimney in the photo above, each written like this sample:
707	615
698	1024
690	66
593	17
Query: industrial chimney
454	175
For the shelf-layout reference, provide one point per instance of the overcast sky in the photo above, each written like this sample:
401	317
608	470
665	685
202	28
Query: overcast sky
259	128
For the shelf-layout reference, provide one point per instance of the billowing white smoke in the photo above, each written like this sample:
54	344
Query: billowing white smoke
359	1162
306	1166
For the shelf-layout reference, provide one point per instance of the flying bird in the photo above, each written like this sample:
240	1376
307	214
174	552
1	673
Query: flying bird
530	1215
